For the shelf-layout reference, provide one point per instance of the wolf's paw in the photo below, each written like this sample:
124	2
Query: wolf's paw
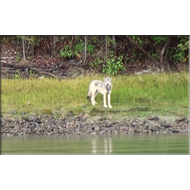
105	106
110	106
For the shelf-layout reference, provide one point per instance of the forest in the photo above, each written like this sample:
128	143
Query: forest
109	54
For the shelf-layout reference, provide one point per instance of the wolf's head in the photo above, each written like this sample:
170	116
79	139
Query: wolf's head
107	82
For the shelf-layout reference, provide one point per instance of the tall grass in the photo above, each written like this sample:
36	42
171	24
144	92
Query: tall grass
163	93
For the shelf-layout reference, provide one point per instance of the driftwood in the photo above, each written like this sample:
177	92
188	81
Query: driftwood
143	51
159	63
8	68
7	57
47	73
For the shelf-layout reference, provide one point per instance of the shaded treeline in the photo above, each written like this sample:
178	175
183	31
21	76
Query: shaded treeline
107	54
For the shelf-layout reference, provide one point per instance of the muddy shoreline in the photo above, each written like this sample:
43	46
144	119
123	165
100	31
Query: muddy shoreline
91	125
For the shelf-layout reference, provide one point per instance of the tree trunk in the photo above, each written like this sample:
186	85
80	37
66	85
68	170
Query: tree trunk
163	52
48	44
54	43
71	42
32	49
23	47
106	47
85	42
102	42
113	38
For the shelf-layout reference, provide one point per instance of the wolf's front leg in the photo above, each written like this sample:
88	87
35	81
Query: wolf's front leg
109	97
104	100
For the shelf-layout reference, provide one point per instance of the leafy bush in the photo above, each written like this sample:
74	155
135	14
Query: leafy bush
179	53
66	52
96	64
90	48
159	39
114	64
17	58
79	48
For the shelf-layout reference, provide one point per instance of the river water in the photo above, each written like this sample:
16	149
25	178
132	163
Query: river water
97	144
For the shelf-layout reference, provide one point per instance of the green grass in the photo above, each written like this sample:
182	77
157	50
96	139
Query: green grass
132	95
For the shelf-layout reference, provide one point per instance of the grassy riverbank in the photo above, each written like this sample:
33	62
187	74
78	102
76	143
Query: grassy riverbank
162	94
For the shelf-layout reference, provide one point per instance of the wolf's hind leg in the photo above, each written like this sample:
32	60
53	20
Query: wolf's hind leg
95	97
94	93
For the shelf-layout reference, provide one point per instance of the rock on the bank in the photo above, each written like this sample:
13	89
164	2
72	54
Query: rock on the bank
86	124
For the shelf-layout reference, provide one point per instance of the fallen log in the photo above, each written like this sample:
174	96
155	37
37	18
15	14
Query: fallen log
7	57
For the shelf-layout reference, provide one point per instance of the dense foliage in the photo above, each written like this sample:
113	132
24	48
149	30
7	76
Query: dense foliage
107	54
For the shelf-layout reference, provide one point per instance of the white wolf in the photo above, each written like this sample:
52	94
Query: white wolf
102	87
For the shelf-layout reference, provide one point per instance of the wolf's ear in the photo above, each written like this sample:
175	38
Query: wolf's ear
110	78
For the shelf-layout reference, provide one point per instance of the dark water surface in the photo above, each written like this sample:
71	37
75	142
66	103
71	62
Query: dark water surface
92	144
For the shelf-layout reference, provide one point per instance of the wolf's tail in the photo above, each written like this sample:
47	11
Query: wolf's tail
89	94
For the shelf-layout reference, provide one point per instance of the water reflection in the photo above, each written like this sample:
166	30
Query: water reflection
104	145
97	144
